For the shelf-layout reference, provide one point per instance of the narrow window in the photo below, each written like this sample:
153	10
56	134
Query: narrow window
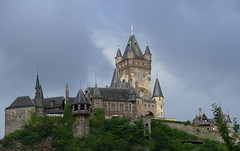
121	107
13	115
113	106
130	107
149	105
105	106
145	105
97	104
161	106
152	106
28	114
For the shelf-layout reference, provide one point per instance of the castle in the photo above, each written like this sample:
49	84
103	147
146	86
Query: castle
129	95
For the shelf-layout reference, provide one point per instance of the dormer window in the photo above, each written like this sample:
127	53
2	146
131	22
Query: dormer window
51	103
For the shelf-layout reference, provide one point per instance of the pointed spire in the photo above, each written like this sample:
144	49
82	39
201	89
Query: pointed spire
228	119
119	54
157	92
131	28
116	81
96	93
147	50
37	82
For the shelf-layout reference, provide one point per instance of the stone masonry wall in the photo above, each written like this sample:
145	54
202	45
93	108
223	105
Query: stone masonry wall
199	131
16	118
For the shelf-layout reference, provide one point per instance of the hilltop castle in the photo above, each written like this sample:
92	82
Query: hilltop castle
129	95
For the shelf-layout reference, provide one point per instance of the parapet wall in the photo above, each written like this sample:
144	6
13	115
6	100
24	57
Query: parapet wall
199	131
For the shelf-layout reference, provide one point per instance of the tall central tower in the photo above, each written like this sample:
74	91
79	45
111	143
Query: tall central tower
135	67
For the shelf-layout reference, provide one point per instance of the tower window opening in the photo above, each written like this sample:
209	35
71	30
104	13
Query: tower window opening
13	115
82	107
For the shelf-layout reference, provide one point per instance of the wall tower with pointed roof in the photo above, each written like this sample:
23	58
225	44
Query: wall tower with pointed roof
135	67
158	97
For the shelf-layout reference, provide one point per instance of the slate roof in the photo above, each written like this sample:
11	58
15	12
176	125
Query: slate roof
23	101
132	94
71	100
96	93
119	54
133	46
116	81
80	98
112	94
157	91
147	50
57	102
37	83
228	119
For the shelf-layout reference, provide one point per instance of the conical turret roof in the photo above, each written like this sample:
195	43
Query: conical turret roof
119	54
147	50
228	119
157	92
96	93
133	46
80	98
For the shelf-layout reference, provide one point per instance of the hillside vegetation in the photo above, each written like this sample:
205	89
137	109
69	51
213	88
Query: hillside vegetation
106	134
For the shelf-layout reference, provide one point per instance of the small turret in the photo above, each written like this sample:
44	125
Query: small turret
132	94
147	55
81	105
158	97
118	57
157	91
229	123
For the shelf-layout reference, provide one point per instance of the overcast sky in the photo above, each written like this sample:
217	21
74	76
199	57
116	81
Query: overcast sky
195	48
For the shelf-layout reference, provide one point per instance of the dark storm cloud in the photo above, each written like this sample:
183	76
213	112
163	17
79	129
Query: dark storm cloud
195	47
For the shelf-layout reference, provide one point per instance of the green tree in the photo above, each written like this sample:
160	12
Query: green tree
222	127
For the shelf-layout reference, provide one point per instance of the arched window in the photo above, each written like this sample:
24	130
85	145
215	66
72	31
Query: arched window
13	115
28	114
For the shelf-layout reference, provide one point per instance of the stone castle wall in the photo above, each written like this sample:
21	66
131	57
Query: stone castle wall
16	118
199	131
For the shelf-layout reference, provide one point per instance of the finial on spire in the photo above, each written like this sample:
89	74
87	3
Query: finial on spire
95	78
156	74
118	46
132	29
80	84
37	68
147	43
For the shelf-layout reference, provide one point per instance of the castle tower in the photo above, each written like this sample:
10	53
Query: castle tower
229	123
158	97
135	68
81	111
38	99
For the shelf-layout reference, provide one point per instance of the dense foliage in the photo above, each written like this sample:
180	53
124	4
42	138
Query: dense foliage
219	117
106	134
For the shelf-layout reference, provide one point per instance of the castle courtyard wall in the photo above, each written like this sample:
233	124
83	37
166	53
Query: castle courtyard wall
16	118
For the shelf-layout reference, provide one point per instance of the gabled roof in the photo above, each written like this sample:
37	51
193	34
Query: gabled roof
96	93
133	46
57	102
119	54
80	98
23	101
147	50
111	94
157	91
